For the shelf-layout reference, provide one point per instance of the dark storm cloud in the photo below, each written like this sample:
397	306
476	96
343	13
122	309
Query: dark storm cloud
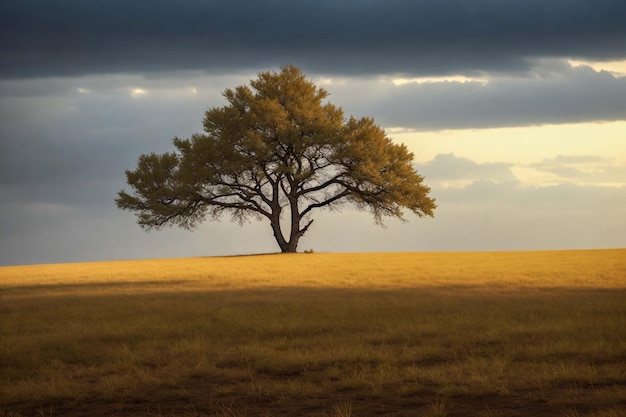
73	37
73	148
558	94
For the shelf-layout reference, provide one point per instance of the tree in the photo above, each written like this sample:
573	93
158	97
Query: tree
277	148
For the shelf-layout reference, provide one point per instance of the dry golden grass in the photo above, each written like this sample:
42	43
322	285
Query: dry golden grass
496	270
391	334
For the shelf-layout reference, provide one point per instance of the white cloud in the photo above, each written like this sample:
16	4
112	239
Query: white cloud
138	92
616	68
449	170
601	146
584	170
442	79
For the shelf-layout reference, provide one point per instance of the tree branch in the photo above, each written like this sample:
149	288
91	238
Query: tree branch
331	200
331	181
305	228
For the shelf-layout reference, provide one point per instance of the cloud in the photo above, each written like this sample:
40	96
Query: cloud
138	92
66	142
63	146
584	169
492	211
50	233
557	93
487	215
449	169
428	37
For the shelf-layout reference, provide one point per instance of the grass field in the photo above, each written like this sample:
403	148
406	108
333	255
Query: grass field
387	334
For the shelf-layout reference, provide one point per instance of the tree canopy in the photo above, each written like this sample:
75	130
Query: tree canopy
276	150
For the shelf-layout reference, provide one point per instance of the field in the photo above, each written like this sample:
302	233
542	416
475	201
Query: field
386	334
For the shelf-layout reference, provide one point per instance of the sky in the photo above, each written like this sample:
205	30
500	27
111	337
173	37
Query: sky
515	112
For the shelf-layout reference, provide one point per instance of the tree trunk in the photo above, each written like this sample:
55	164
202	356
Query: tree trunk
294	233
278	234
291	245
286	246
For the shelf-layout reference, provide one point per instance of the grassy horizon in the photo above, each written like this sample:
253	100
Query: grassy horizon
539	333
540	268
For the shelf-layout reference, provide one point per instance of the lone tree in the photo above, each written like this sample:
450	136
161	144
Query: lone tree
276	148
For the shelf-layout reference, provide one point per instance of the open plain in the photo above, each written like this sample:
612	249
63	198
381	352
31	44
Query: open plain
366	334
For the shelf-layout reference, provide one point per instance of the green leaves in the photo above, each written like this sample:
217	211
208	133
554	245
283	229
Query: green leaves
161	195
276	146
380	174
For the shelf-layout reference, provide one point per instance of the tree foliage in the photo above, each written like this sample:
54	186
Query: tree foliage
276	150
